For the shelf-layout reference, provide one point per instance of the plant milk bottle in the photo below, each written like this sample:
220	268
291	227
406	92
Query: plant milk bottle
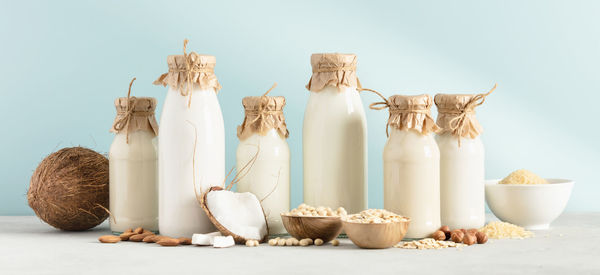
462	174
263	157
191	156
411	164
133	157
334	135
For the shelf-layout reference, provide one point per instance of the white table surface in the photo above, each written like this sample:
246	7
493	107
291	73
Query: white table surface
28	246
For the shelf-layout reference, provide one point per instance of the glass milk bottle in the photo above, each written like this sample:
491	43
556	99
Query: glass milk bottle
411	164
462	171
334	135
133	182
264	155
191	156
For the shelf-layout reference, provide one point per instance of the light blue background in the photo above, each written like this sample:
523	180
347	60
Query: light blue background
62	63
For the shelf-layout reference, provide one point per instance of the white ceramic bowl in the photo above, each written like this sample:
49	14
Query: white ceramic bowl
531	206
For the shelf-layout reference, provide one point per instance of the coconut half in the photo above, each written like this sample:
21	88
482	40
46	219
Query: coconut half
239	215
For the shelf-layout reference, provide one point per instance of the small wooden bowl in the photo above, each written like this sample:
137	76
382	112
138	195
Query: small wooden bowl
324	228
376	235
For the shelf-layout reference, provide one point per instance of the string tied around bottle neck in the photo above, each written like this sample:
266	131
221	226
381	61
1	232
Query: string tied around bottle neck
458	123
123	123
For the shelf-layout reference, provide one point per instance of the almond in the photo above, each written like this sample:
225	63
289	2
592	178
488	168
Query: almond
166	241
150	238
109	239
139	237
184	241
126	235
138	230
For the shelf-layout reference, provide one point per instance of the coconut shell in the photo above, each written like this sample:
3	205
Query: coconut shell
69	189
224	231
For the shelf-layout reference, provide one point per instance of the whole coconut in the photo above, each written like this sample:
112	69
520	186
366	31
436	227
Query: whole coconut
69	189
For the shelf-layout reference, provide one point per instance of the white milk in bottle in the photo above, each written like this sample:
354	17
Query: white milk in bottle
133	157
411	164
191	144
462	171
334	135
263	157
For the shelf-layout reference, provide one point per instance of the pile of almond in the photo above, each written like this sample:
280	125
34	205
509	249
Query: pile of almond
142	235
466	236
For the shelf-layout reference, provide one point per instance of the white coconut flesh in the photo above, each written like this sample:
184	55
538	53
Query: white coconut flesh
240	213
205	239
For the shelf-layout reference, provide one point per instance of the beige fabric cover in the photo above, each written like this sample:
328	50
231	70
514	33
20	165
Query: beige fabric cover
200	71
138	115
455	117
334	69
263	113
411	112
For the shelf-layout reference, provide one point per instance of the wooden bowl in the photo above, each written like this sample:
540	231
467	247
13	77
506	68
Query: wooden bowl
324	228
376	235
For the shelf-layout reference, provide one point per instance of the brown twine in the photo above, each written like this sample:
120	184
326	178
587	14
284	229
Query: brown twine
457	124
334	69
123	122
261	112
188	67
198	199
274	187
239	175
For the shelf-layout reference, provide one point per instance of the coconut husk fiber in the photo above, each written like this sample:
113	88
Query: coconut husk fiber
69	189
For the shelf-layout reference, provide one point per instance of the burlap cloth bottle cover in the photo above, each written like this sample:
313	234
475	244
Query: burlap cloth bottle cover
333	69
456	114
407	112
189	69
263	113
134	113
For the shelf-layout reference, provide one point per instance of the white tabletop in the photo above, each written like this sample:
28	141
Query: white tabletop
28	246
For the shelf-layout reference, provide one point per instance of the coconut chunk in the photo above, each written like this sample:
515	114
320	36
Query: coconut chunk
223	241
204	239
237	214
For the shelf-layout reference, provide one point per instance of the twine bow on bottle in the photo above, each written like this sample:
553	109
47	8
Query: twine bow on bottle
190	70
261	112
457	124
123	122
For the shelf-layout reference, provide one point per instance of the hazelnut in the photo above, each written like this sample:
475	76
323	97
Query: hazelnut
464	231
472	231
457	236
446	231
469	239
438	235
481	237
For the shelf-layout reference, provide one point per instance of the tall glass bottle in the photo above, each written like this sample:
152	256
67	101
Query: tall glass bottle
264	152
411	164
191	151
334	135
133	157
462	155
